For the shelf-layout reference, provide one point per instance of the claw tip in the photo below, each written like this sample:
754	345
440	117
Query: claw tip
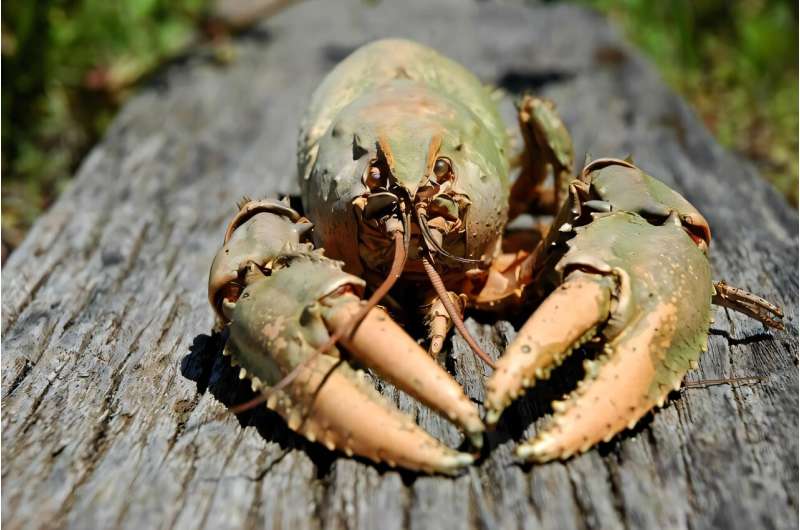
533	452
476	439
457	461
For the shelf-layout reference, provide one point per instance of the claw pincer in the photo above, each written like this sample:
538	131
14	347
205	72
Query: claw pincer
632	276
281	301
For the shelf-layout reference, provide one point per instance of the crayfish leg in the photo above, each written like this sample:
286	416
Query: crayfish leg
438	321
748	304
548	148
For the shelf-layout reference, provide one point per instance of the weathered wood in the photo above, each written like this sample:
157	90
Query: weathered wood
107	364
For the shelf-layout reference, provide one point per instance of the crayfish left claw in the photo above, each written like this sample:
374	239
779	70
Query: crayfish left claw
285	305
563	322
635	278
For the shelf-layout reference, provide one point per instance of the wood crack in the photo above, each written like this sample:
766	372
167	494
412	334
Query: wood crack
133	256
234	446
183	498
27	366
30	295
584	513
255	518
99	443
616	492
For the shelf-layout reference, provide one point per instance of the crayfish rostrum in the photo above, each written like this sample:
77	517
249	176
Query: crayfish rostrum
405	170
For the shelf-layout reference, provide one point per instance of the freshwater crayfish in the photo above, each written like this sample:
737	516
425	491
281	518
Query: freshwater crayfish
405	173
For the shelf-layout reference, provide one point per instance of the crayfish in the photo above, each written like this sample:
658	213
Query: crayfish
405	169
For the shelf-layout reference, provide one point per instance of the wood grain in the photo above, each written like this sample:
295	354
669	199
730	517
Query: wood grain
108	365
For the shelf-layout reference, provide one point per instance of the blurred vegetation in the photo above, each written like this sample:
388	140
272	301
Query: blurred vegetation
69	64
736	62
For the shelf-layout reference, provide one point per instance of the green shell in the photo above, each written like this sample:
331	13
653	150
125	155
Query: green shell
406	94
276	321
643	240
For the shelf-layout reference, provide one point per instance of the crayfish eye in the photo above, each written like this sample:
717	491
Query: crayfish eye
374	178
442	169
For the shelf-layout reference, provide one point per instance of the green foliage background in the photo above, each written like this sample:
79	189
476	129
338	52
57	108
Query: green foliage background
736	62
69	64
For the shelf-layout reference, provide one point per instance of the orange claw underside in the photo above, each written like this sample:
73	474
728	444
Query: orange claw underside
640	290
558	325
279	324
346	413
617	396
384	346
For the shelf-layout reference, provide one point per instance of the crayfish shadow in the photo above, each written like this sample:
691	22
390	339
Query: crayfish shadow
527	81
535	404
212	372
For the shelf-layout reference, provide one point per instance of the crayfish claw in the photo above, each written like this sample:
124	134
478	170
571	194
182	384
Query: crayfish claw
278	326
286	305
563	322
620	387
381	344
636	279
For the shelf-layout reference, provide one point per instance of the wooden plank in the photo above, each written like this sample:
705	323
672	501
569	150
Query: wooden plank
107	362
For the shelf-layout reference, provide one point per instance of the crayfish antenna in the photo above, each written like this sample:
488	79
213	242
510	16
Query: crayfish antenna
705	383
454	314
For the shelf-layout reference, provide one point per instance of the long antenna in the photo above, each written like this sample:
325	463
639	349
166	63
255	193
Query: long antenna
455	316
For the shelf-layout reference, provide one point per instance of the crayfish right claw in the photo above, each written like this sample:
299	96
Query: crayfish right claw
284	304
381	344
563	322
633	278
277	325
